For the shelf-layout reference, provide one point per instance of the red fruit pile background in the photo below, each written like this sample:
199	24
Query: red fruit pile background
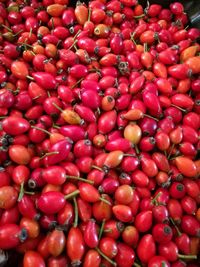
99	109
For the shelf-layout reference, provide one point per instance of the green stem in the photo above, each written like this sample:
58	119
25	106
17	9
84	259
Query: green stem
40	129
36	97
56	126
48	94
145	47
105	257
78	32
25	44
97	168
6	27
176	227
132	38
136	264
170	152
56	106
139	17
154	200
75	212
74	43
101	229
30	32
181	109
151	117
79	179
187	257
30	78
136	149
29	193
21	192
72	194
53	27
105	201
89	14
49	154
74	85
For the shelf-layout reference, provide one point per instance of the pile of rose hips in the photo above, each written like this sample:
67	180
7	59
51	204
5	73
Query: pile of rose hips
100	124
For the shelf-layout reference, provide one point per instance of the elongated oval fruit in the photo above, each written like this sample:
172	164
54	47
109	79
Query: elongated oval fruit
186	166
15	126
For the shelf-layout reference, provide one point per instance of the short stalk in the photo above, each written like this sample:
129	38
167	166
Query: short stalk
53	26
170	152
101	229
79	179
151	117
76	35
40	129
89	14
181	109
176	227
109	230
30	32
105	201
6	27
74	43
21	192
56	126
25	44
72	194
56	106
29	193
132	38
105	257
154	200
36	97
187	257
49	154
136	149
96	167
30	78
74	85
75	212
145	47
140	16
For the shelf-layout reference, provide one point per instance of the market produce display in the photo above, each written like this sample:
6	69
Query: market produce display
99	134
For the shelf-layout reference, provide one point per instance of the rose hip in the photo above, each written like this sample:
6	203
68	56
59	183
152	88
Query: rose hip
99	134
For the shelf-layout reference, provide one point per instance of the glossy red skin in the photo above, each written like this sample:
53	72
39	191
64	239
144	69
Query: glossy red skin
122	213
32	258
57	81
162	233
91	259
66	215
90	234
46	202
102	211
158	261
62	148
116	227
183	243
146	248
11	234
125	255
108	246
190	225
75	246
19	125
143	221
169	251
